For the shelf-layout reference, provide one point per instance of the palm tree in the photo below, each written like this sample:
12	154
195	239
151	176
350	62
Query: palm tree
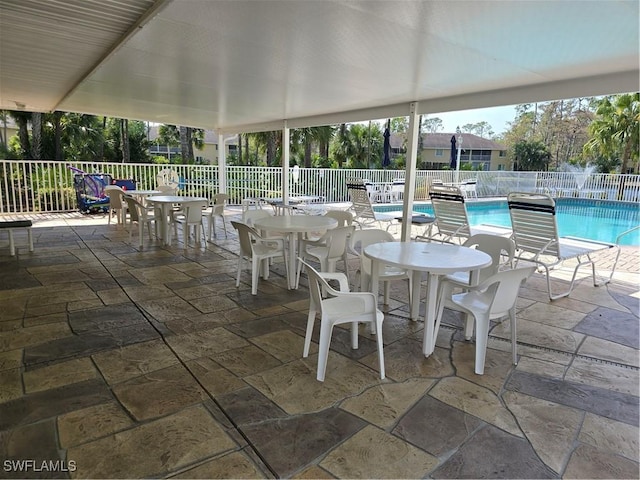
22	120
615	131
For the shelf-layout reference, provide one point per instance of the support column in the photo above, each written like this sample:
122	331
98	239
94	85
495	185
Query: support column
285	163
222	164
413	135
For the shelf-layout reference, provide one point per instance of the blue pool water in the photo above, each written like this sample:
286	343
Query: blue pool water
594	219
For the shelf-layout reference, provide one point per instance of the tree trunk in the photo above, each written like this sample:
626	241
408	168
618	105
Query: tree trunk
57	135
23	135
184	145
36	135
271	149
307	153
191	157
246	149
104	134
124	140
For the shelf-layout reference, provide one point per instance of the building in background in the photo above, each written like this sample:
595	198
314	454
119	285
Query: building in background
484	154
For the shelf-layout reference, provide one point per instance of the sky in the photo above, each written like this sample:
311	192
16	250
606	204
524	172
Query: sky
497	117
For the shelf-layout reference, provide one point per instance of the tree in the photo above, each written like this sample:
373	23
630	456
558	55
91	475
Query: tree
615	130
531	156
481	129
432	125
22	119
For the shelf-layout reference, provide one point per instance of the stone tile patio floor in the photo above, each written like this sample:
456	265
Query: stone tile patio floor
121	363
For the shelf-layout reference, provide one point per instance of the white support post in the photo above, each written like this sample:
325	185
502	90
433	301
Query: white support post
410	171
285	164
222	164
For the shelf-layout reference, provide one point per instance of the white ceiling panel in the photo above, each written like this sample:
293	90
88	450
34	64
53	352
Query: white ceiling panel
250	64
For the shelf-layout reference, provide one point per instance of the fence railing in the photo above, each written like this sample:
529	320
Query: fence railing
47	186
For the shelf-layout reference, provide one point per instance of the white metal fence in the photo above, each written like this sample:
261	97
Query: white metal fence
47	186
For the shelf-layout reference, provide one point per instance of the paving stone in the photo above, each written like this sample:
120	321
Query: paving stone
373	453
246	361
313	473
90	423
284	345
248	405
620	327
131	361
41	405
205	343
38	334
606	376
610	436
475	400
294	388
382	405
551	428
261	326
30	321
493	453
168	308
436	427
302	438
231	465
171	389
89	343
58	375
606	350
139	292
404	359
213	377
498	365
153	449
160	274
588	462
213	303
10	384
534	333
603	402
36	443
105	318
10	359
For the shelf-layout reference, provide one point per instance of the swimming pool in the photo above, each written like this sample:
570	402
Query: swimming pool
594	219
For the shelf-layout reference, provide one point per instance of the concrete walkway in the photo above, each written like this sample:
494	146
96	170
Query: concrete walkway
117	362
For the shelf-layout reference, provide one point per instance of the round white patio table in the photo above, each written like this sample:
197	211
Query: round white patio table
166	202
292	225
436	259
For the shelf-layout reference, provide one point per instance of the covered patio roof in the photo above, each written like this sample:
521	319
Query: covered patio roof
249	65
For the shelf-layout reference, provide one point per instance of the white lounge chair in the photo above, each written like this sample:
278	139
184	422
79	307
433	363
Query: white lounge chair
535	233
364	214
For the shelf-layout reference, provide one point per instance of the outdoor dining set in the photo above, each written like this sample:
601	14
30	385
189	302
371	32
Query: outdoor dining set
472	270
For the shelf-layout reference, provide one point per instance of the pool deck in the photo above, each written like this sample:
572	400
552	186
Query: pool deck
130	363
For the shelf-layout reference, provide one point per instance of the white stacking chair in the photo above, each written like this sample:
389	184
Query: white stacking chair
139	214
340	307
327	250
217	211
359	241
494	298
256	248
190	216
117	204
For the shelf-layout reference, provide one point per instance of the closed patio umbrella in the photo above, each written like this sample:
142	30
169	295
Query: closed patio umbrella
386	159
454	152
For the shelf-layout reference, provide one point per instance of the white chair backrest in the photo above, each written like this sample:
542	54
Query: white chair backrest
116	196
317	284
533	220
167	189
360	199
193	211
250	216
220	199
343	217
505	286
336	240
450	211
135	208
245	233
363	238
496	247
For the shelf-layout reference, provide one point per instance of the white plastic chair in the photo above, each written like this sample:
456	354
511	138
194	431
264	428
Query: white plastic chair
340	307
359	241
190	216
327	250
494	298
140	215
217	210
256	248
117	203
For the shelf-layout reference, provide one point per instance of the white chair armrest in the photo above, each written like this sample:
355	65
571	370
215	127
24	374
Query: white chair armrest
340	277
